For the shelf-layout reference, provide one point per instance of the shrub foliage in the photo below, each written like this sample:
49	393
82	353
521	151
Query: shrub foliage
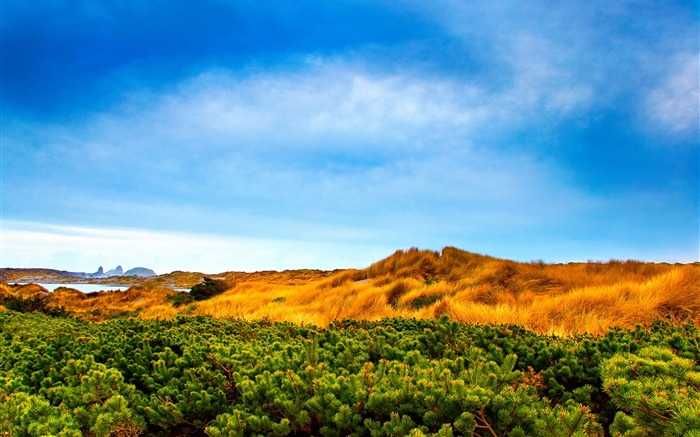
208	288
31	304
68	377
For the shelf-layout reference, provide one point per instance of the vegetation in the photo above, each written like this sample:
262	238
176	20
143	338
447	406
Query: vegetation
553	299
68	377
180	299
31	304
561	299
420	343
657	391
208	288
100	306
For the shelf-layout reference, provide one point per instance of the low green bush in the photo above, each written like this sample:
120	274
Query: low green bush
208	288
68	377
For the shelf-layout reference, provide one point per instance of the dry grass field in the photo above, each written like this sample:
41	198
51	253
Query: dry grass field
556	299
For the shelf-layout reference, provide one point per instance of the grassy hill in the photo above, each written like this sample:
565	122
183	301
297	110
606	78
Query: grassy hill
547	298
37	274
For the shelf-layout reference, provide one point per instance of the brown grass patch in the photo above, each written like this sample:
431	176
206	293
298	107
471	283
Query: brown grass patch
548	298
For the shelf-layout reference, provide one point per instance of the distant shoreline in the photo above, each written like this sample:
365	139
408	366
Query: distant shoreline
80	286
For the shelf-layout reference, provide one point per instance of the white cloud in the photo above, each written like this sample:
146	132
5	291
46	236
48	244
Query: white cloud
675	104
580	58
546	76
321	106
73	248
330	149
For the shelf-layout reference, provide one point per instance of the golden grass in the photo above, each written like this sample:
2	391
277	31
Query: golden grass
674	295
137	300
548	298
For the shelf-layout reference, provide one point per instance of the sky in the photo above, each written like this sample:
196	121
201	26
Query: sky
220	135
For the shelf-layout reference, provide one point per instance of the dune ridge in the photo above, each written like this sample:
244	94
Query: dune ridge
560	299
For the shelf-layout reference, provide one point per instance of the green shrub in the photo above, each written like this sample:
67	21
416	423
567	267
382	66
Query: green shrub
180	298
208	288
432	281
194	375
424	301
32	305
657	392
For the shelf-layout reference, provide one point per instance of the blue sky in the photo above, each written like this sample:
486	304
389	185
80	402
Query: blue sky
236	135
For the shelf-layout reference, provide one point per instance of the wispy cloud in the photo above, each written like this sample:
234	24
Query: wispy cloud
82	248
328	141
590	57
674	105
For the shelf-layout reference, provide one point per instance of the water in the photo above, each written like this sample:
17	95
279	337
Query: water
85	288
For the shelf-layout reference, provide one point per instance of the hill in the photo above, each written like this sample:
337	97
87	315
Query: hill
140	271
131	276
36	275
548	298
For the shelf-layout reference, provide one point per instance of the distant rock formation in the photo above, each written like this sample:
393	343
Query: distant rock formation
119	271
115	272
140	271
42	275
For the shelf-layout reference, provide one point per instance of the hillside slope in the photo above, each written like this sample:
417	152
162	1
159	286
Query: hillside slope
548	298
558	299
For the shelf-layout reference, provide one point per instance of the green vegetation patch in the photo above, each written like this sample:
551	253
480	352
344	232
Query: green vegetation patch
67	377
425	301
179	298
31	304
208	288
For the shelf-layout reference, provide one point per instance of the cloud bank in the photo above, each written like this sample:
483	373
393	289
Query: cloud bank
560	130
